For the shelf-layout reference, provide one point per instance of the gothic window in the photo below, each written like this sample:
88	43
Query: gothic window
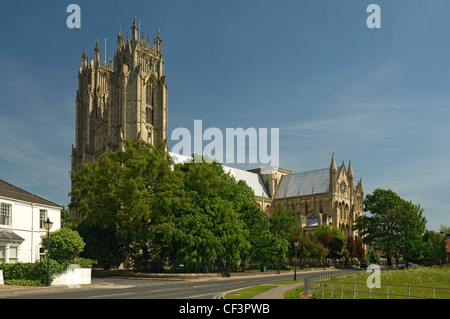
149	93
321	207
149	115
306	209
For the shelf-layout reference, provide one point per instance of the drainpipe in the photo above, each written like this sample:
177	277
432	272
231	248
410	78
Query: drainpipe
32	231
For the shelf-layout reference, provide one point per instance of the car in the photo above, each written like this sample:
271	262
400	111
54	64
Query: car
363	265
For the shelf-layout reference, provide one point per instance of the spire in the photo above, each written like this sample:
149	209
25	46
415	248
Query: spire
333	164
84	58
158	41
134	31
360	186
97	53
333	175
119	38
350	169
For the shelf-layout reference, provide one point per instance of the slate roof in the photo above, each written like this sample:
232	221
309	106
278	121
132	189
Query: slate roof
10	191
9	235
305	182
253	180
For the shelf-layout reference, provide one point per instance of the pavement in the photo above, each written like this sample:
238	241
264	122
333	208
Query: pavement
278	292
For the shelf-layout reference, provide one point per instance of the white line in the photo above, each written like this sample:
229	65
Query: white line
112	295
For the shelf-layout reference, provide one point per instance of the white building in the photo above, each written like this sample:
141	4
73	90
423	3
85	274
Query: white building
22	217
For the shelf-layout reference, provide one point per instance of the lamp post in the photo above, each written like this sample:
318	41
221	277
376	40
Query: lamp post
295	260
278	261
48	225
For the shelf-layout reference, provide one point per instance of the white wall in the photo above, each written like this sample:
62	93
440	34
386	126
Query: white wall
25	223
73	276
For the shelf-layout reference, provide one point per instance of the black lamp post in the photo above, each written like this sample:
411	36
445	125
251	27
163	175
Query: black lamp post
295	260
48	225
278	261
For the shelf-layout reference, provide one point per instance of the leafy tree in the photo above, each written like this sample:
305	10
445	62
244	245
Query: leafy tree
129	192
332	239
304	248
283	223
411	228
102	245
212	231
355	248
434	247
444	229
372	256
394	226
65	244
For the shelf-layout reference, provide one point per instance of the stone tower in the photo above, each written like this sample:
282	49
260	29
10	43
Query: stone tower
124	100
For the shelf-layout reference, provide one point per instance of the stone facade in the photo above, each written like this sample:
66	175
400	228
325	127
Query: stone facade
325	196
127	100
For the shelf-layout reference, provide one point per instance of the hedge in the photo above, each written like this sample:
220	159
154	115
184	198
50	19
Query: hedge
30	273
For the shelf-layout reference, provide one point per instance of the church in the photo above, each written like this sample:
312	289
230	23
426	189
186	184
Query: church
127	99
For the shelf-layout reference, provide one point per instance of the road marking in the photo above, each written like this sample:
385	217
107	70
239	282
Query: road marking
112	295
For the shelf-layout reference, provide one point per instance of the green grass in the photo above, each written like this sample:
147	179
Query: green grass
420	281
294	293
247	293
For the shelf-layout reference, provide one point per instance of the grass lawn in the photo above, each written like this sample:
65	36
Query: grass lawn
247	293
417	282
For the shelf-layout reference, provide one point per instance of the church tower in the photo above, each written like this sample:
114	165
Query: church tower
124	100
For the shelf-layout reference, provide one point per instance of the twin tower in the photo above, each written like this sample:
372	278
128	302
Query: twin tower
124	100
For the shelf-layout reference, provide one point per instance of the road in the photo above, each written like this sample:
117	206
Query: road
139	288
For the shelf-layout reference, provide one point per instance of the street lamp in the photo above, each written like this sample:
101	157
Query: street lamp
48	225
295	260
278	261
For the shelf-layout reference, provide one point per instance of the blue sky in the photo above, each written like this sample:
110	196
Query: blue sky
379	98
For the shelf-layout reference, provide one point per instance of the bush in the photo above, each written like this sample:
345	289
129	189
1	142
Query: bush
26	273
65	245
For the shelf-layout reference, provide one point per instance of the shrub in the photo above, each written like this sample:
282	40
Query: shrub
26	273
65	244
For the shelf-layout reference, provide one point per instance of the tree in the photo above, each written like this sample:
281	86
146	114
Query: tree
434	247
394	225
411	228
129	192
306	248
372	256
332	239
102	245
283	223
65	245
355	248
444	229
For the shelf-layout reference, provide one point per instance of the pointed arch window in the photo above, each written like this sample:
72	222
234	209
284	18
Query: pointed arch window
149	93
149	115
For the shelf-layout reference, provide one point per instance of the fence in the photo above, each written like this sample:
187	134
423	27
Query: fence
328	286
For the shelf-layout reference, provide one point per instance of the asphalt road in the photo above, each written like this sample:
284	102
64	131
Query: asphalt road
139	288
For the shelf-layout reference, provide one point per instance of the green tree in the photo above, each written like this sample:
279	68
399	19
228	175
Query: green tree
444	229
65	244
372	256
332	239
411	228
434	247
102	245
283	223
305	248
129	192
394	225
212	231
